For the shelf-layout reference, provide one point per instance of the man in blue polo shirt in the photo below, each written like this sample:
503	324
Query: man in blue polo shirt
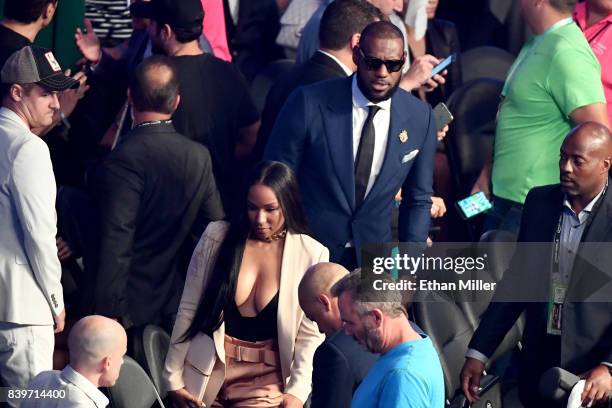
408	373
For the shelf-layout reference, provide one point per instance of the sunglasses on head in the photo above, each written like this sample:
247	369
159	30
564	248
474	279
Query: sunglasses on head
374	64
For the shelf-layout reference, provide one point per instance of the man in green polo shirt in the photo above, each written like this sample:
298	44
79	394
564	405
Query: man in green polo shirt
554	84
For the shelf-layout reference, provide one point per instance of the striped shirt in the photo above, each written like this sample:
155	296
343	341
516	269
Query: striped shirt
110	19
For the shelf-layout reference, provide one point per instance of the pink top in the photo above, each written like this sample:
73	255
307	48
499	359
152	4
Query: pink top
214	28
599	36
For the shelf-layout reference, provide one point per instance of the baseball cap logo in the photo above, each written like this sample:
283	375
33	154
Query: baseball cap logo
51	59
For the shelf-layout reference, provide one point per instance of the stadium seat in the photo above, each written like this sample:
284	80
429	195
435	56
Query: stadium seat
264	80
470	139
155	342
443	320
134	388
485	62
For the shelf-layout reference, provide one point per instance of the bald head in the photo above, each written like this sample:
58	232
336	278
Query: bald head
94	338
586	156
315	298
381	30
319	279
594	136
154	86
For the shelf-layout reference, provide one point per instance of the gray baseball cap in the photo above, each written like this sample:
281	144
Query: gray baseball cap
36	65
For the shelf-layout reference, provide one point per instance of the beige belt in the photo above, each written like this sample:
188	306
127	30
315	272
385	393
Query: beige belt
252	355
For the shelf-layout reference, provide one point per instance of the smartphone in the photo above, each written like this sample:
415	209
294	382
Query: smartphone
442	116
443	65
473	205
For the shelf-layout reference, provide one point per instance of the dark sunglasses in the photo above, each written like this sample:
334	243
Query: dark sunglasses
374	64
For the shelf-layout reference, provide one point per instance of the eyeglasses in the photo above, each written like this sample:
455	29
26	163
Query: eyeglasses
374	64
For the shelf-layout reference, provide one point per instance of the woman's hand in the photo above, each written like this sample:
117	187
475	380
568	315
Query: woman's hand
289	401
182	398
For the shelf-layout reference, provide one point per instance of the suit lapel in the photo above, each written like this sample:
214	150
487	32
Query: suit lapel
287	301
338	129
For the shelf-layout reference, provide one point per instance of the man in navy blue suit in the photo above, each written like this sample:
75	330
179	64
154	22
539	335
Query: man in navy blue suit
354	143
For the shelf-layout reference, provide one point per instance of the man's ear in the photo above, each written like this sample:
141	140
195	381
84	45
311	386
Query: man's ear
105	364
607	163
355	40
177	101
356	55
166	32
325	301
48	12
377	317
16	92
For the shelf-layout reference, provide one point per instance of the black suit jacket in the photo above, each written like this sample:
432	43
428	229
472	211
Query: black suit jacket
586	325
153	192
441	40
340	364
319	68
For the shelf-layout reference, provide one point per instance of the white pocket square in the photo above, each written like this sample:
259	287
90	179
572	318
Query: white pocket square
410	155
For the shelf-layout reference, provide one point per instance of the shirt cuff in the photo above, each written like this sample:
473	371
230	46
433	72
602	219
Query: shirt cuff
472	353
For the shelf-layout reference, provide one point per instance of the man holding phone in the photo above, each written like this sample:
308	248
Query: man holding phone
553	85
353	142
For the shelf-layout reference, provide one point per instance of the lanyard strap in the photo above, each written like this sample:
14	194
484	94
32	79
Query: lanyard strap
530	48
557	235
152	123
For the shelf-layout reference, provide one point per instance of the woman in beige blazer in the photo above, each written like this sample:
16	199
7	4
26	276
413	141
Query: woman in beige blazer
240	337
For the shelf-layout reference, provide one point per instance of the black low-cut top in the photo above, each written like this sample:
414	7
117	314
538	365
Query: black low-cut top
257	328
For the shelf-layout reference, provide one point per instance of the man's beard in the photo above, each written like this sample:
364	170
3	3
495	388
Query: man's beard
374	98
372	339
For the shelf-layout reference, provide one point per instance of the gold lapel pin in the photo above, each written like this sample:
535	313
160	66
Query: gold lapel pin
403	136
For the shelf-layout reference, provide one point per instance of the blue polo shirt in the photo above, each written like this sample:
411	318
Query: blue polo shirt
407	376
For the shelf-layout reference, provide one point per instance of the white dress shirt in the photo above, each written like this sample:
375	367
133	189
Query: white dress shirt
382	120
77	391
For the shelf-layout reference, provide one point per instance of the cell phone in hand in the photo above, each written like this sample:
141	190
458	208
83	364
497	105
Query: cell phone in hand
444	64
442	116
473	205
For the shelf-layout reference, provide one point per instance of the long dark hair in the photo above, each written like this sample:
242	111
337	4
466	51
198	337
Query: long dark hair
221	287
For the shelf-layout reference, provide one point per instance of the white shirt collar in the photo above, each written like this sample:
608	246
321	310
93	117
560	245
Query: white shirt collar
589	207
360	101
346	69
85	385
9	114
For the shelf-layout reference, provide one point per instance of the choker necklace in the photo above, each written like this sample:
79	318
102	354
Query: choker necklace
275	237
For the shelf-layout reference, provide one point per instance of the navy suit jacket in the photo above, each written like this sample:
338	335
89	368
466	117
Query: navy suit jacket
313	135
340	364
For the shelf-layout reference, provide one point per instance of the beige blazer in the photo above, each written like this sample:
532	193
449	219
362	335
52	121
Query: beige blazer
298	337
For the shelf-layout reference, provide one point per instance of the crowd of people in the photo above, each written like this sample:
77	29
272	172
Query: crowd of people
148	188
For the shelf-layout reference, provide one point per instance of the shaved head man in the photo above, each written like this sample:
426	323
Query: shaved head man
575	216
97	345
340	363
584	162
316	299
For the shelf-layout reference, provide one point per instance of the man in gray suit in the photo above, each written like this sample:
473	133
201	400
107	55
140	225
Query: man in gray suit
97	346
31	299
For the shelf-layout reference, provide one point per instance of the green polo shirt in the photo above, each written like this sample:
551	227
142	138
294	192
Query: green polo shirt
555	74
